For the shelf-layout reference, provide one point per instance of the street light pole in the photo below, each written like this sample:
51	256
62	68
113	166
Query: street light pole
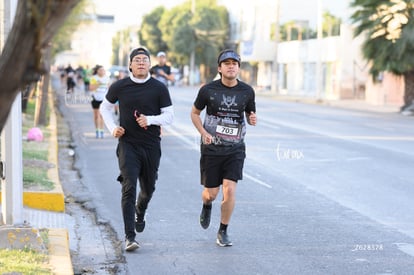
318	77
192	56
275	64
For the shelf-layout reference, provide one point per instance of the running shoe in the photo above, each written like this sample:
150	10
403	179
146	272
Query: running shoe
223	239
205	217
131	245
139	222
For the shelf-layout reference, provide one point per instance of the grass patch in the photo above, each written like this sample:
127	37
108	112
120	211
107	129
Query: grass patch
35	155
35	150
23	262
36	178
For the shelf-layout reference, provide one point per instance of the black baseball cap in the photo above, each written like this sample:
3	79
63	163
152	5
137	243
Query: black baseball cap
228	54
138	51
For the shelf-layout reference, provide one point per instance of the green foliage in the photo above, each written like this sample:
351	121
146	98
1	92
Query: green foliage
150	33
294	30
63	38
23	262
38	150
35	177
121	47
180	32
211	30
331	25
35	156
388	29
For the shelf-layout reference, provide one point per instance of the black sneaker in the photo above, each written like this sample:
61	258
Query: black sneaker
205	216
131	245
139	222
223	239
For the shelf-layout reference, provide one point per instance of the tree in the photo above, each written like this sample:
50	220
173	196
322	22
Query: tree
150	34
331	24
63	38
35	24
389	38
204	32
178	33
294	30
121	46
61	42
210	24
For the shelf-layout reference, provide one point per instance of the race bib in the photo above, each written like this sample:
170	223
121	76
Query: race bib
228	132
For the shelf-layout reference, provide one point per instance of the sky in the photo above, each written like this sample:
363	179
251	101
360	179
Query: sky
130	12
308	9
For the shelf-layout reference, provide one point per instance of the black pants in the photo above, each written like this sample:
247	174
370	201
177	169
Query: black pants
136	163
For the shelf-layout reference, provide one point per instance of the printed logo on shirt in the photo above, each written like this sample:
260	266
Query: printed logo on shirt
229	101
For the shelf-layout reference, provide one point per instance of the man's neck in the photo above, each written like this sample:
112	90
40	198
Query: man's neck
229	82
140	79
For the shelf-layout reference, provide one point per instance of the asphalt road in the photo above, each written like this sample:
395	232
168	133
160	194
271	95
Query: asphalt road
325	191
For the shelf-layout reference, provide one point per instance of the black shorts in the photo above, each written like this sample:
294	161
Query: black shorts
96	103
214	169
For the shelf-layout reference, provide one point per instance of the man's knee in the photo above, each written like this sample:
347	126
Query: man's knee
229	189
211	193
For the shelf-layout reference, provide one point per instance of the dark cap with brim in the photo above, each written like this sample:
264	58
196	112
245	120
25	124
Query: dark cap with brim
138	51
228	54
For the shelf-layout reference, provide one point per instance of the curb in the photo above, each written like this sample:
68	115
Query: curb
59	255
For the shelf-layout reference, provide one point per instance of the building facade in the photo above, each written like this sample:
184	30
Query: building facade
330	68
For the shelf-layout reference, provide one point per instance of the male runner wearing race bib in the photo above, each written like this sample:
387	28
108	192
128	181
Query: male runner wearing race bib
227	101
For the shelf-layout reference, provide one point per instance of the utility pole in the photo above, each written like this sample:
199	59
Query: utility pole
318	77
11	145
275	64
192	56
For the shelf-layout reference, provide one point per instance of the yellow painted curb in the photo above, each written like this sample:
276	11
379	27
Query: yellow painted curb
44	201
59	255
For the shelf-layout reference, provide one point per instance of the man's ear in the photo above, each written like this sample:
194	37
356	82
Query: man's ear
130	67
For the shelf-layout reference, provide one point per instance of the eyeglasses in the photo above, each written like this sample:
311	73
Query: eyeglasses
140	60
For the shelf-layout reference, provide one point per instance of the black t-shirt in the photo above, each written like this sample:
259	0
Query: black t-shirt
225	115
139	98
155	71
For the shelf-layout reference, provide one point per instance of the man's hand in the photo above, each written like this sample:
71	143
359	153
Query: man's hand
252	119
206	138
142	121
118	132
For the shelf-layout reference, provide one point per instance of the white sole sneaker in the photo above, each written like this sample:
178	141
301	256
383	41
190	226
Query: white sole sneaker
131	246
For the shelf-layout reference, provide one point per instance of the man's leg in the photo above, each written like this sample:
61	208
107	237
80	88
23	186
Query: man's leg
227	207
147	182
208	196
229	200
129	167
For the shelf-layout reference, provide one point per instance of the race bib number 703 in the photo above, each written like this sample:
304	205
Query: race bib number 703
227	130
